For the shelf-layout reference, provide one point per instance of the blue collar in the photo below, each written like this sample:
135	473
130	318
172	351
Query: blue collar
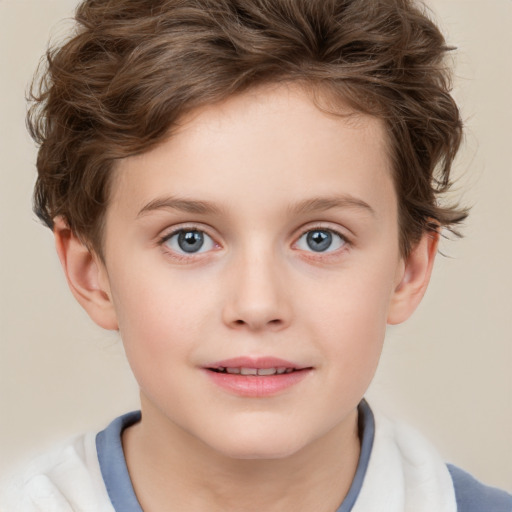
119	486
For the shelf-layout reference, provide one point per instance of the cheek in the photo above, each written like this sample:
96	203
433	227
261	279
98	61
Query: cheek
160	321
349	320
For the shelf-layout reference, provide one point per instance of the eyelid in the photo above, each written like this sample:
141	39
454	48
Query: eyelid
322	226
174	230
208	231
186	226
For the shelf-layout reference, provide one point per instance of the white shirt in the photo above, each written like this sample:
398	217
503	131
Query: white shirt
398	471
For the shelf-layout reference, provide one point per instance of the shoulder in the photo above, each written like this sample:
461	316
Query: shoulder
65	479
428	483
473	496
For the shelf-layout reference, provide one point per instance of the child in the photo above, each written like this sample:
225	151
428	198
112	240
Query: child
248	192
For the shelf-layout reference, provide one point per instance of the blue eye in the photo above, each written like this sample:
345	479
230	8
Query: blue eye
321	240
189	241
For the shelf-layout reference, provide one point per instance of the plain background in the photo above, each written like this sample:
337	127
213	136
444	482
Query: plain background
447	371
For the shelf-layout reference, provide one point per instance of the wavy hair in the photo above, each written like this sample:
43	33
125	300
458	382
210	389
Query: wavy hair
133	68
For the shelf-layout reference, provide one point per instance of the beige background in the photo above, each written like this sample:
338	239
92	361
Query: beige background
447	371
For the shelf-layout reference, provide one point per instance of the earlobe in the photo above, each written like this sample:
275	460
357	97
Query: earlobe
414	279
86	276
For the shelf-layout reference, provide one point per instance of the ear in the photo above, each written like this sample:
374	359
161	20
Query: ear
413	278
86	275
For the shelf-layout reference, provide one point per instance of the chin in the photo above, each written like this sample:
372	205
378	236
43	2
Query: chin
259	454
258	447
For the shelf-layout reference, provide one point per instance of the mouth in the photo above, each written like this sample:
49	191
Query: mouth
263	366
255	371
256	377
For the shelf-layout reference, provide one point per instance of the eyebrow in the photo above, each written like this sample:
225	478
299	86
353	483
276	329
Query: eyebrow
175	203
312	205
319	204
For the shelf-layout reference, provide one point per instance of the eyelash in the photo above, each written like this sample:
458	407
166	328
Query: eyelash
194	255
327	253
185	229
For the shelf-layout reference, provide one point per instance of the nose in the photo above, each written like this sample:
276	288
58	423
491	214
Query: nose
257	294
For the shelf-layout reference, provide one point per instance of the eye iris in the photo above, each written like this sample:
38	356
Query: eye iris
319	241
190	241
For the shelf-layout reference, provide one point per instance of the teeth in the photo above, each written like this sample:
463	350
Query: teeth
267	371
254	371
248	371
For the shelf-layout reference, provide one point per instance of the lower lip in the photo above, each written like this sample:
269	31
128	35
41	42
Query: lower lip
257	386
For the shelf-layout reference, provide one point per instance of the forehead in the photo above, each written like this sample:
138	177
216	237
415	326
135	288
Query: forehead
274	143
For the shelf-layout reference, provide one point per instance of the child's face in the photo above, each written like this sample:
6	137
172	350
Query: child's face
264	228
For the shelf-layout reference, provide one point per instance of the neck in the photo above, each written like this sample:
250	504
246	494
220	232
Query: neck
170	466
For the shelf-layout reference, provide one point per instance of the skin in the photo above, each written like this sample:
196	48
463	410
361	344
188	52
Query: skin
271	168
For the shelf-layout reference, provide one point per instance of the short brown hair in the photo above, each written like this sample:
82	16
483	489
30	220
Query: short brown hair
134	67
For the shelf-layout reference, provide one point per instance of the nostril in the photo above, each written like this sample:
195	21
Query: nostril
272	323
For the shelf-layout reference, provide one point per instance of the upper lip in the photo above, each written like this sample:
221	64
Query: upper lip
255	362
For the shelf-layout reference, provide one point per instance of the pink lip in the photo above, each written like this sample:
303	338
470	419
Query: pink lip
256	386
254	362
